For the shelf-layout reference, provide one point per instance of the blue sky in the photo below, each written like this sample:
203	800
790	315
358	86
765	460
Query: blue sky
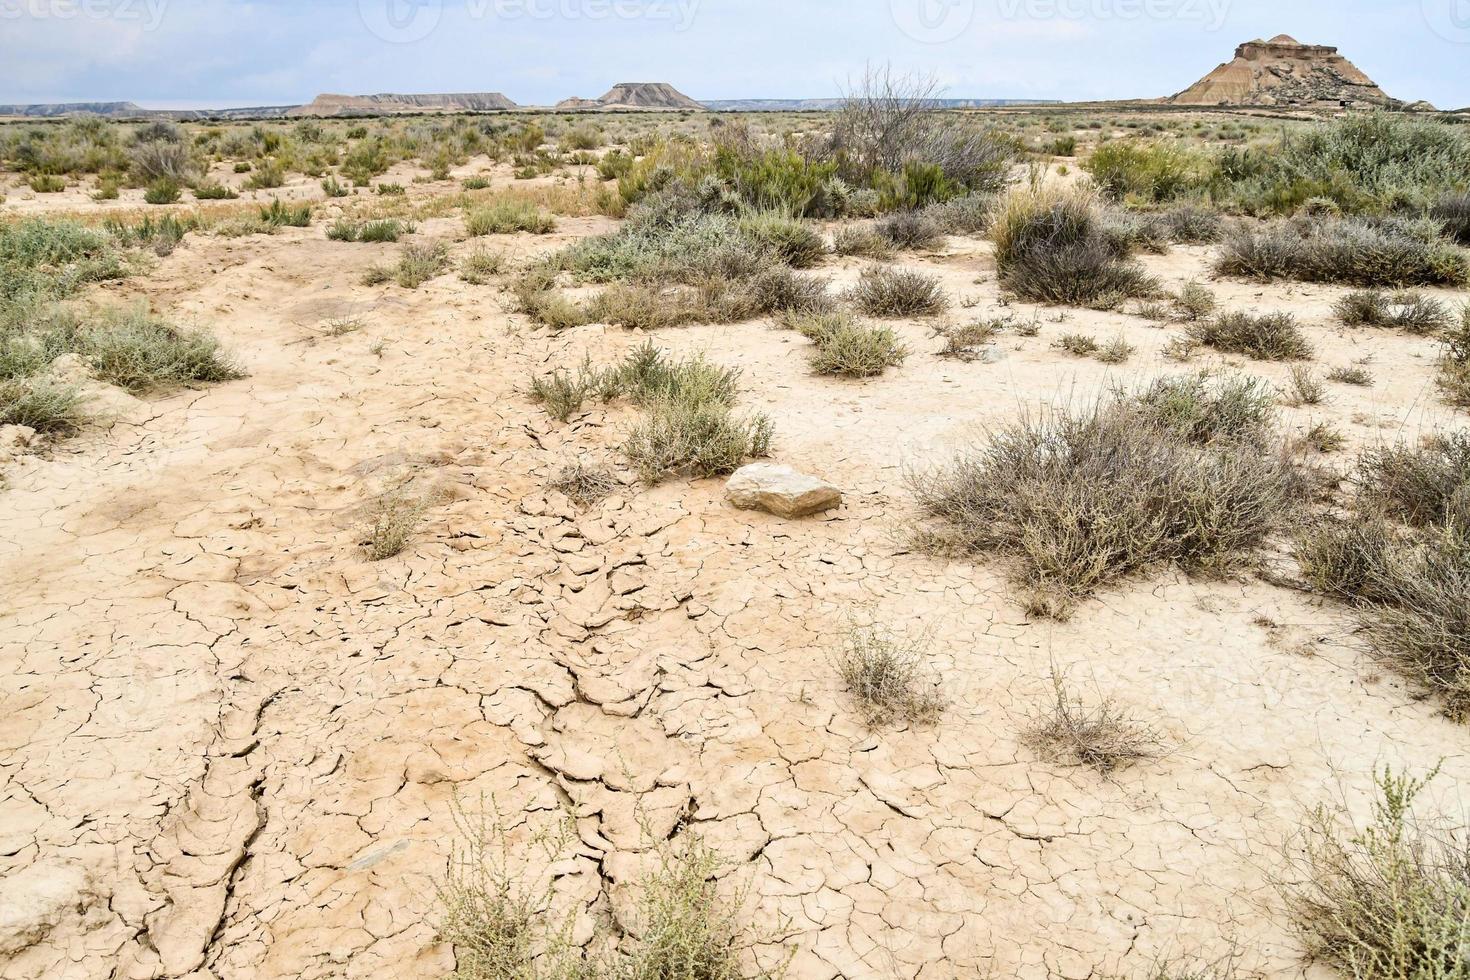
267	52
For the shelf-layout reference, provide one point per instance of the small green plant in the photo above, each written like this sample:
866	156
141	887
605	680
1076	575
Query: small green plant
507	217
1354	374
278	214
1306	388
214	192
332	187
1386	901
480	265
967	341
1077	344
418	263
164	190
842	346
46	407
1116	351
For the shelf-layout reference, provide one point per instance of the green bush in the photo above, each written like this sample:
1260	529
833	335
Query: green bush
1263	337
277	214
163	191
1148	171
842	346
507	217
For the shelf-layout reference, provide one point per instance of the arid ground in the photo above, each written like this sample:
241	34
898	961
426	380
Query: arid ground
232	746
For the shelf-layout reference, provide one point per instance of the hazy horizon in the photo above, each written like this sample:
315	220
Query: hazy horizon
229	53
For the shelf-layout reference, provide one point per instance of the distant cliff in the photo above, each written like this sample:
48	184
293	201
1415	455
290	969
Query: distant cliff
1285	72
389	103
636	95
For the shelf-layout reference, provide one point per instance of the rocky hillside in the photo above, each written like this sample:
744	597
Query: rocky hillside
388	103
1285	72
124	110
636	95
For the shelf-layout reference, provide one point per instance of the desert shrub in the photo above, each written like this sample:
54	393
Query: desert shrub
1077	344
1385	901
1078	499
967	341
344	230
383	230
1051	246
1133	231
886	292
1260	336
507	217
584	483
1452	211
910	230
1192	224
889	677
1414	312
163	191
1116	351
142	353
1305	388
968	215
863	242
701	439
1194	302
480	265
161	160
614	164
779	180
332	187
842	346
1150	171
1351	375
40	257
1203	408
278	214
503	923
793	241
562	393
888	122
42	405
1356	251
1454	361
418	263
1423	486
214	192
392	520
47	184
1403	561
267	175
1103	737
1362	162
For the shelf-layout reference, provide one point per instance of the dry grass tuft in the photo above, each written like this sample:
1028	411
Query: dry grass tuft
885	292
1102	737
392	521
584	483
889	677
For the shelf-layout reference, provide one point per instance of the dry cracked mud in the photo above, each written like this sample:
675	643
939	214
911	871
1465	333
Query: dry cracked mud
230	747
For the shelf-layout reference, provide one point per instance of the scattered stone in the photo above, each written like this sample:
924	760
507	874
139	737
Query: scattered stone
780	490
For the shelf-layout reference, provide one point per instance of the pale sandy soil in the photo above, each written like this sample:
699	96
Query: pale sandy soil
229	745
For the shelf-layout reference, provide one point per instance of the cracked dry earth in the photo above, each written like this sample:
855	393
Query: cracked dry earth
230	746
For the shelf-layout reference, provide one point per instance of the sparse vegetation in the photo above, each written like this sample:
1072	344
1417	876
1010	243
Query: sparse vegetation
1260	336
889	677
1078	499
885	292
1385	901
1051	246
1101	737
392	520
843	346
1413	312
1354	251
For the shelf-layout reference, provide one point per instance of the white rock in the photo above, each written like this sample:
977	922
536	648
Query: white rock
36	899
780	490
